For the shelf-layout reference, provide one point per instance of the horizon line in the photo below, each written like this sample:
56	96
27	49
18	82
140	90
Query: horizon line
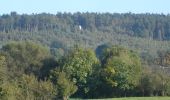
129	12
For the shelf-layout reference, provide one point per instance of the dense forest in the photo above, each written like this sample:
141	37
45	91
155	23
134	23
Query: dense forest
147	33
84	55
153	26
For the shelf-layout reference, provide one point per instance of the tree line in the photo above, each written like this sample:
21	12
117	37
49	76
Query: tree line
55	66
29	71
152	26
147	33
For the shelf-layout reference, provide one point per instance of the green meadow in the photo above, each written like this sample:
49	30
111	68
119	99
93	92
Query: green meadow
131	98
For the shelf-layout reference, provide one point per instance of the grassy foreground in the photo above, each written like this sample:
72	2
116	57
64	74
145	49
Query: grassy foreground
142	98
131	98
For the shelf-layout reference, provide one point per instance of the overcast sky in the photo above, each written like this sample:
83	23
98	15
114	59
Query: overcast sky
112	6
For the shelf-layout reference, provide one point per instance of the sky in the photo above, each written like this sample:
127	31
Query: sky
101	6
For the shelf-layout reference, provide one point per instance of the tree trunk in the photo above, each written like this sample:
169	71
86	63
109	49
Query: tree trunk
65	98
143	92
163	93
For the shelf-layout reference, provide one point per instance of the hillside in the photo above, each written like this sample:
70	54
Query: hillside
84	55
145	33
152	26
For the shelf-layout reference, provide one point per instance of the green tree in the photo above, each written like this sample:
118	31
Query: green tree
126	65
34	89
25	57
3	69
3	76
63	84
163	58
27	87
79	65
154	82
102	83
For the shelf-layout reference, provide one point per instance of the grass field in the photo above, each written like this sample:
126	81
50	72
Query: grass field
143	98
131	98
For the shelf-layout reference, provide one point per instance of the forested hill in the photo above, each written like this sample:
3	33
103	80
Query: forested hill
84	55
146	33
153	26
